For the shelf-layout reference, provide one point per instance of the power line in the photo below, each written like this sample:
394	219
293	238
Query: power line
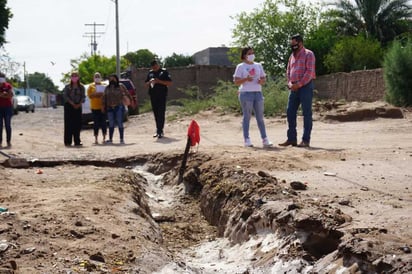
93	35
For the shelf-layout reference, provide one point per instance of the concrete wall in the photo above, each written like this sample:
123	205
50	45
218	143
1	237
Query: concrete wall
205	77
363	85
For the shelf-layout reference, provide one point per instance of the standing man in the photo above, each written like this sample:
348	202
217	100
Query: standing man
158	80
300	74
6	108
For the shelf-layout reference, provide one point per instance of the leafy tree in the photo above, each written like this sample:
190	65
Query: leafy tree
321	41
354	53
5	16
7	65
380	19
268	30
140	58
41	82
87	65
397	68
178	60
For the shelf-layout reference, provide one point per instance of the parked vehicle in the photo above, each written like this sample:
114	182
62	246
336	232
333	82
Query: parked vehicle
134	106
25	103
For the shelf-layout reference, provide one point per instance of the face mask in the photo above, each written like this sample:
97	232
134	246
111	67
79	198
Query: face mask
97	80
75	78
112	82
250	58
2	80
295	47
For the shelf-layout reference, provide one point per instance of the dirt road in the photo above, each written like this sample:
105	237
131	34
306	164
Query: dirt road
83	210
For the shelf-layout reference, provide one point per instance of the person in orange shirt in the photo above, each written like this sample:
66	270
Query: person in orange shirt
95	93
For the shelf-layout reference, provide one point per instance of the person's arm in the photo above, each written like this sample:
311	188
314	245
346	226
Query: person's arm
237	79
92	92
309	69
164	79
162	82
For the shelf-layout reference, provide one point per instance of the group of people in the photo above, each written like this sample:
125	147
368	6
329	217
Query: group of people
108	101
300	72
105	101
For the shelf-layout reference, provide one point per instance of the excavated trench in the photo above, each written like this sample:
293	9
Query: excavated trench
225	219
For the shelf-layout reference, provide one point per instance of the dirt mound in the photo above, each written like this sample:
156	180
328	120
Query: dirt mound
356	111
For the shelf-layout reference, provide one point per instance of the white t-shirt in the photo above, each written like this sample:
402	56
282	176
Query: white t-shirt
255	70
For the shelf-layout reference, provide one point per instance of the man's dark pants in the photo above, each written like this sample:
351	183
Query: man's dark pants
158	101
303	97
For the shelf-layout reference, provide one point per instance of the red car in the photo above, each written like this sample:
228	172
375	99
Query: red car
134	106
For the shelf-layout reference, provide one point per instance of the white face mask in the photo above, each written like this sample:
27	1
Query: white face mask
250	58
2	80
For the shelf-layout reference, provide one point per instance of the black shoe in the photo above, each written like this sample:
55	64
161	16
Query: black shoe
78	145
303	144
160	135
288	143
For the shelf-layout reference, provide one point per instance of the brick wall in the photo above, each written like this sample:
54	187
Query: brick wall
365	85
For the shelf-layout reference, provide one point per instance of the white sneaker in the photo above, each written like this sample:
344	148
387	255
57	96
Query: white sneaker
248	143
267	143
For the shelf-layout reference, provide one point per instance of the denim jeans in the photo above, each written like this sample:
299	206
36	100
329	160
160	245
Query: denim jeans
115	116
252	101
303	97
5	115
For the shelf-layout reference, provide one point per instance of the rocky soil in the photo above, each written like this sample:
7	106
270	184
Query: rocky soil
341	206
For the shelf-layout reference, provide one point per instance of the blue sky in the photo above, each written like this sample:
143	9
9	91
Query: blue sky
47	34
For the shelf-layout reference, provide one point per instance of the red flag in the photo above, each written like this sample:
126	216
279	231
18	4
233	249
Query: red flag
193	132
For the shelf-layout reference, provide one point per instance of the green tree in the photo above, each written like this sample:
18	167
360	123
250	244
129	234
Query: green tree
268	30
87	65
8	66
140	58
354	53
380	19
321	41
5	16
178	60
397	67
41	82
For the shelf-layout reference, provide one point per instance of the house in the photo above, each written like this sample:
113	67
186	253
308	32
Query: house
37	96
213	56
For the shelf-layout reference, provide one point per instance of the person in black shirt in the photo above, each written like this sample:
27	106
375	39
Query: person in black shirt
158	80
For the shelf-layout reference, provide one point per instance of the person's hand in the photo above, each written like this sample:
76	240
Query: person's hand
294	87
249	78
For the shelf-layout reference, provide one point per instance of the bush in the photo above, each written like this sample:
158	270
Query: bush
354	53
276	96
397	68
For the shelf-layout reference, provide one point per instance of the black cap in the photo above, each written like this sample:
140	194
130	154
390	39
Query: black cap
154	62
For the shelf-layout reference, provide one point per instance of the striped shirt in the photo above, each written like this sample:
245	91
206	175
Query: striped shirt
301	67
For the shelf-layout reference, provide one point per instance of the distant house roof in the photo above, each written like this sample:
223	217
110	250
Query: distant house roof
213	56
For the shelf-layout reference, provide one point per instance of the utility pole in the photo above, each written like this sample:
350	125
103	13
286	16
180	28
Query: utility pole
93	35
117	40
24	77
